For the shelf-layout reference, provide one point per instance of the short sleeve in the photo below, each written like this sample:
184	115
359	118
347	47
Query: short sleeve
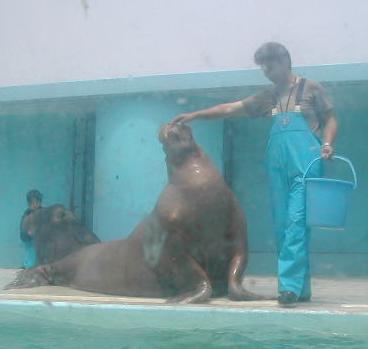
259	105
322	101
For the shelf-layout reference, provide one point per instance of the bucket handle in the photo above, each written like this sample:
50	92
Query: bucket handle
334	157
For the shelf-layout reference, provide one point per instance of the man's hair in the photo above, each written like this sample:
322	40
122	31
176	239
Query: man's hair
34	195
271	51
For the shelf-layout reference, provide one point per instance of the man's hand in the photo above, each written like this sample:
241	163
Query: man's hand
183	118
327	151
225	110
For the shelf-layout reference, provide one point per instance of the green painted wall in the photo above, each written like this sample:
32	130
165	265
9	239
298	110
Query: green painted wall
37	148
35	152
130	170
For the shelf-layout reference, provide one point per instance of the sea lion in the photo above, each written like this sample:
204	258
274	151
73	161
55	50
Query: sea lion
56	232
192	246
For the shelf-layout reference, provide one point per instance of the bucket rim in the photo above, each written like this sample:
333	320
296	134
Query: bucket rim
331	180
327	227
342	158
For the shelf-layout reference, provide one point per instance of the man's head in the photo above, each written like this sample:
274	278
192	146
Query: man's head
34	199
275	61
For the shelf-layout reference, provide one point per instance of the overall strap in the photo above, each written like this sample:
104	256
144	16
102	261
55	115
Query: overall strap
298	97
274	100
299	92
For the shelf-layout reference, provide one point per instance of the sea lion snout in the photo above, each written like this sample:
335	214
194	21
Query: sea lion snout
174	133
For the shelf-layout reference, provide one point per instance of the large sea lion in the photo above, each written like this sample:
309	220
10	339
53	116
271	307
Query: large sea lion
193	245
56	232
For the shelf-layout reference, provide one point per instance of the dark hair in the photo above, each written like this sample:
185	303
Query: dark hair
34	195
271	51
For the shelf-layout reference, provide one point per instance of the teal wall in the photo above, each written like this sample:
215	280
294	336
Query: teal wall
130	170
35	152
332	252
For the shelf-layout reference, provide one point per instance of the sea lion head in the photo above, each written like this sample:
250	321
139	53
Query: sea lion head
177	139
46	216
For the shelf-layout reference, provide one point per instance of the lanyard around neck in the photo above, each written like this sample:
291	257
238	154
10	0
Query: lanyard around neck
288	100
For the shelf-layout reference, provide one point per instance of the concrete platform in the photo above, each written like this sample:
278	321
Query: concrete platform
344	295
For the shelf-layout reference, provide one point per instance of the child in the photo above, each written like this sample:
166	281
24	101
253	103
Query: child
34	200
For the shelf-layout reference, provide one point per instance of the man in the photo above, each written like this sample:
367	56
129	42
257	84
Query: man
304	127
34	201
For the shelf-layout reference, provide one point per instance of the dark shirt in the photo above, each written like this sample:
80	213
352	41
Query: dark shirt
315	104
24	236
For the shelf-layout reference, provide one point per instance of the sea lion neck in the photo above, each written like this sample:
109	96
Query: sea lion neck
176	161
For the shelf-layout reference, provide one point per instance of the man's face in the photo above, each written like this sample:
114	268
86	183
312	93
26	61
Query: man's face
34	204
276	71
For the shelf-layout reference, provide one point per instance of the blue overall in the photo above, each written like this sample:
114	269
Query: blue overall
30	258
292	146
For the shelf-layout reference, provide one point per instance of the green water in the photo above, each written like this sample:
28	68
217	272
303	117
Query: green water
36	327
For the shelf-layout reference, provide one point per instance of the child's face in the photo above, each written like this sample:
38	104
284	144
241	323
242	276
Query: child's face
34	204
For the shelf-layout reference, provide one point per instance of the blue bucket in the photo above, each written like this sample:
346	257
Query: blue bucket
327	200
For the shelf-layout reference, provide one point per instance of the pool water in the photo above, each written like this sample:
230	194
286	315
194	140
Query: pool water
38	325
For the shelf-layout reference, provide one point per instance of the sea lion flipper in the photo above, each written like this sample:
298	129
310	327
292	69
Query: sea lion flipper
202	294
241	294
201	288
28	278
